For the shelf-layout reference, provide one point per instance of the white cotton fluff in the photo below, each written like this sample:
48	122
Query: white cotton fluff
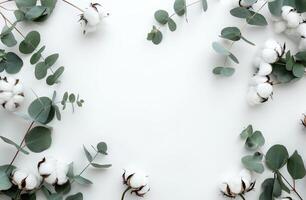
24	180
286	10
264	90
11	93
293	20
53	171
272	44
256	62
138	178
253	98
302	45
269	55
265	69
92	16
255	80
279	26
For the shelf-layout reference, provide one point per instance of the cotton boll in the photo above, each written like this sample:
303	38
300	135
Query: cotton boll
286	10
302	29
256	62
272	44
279	27
144	190
255	80
51	179
92	16
293	20
264	90
11	93
253	98
19	176
264	69
302	45
235	185
24	180
269	55
245	175
31	182
139	179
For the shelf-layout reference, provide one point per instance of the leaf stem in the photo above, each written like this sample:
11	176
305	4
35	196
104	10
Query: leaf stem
124	193
21	143
5	1
242	197
291	186
244	26
188	5
73	5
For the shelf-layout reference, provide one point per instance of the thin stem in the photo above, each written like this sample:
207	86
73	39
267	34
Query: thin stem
73	5
5	1
124	193
21	143
242	197
188	5
85	168
291	186
244	26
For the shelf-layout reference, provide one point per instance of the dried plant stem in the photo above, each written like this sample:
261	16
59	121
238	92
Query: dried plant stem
124	193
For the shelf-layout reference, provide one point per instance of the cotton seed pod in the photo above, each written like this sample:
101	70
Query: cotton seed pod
255	80
264	90
272	44
279	27
53	171
269	55
253	98
91	18
24	180
265	69
136	180
302	29
11	93
302	44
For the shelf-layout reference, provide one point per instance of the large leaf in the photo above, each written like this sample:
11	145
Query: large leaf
38	139
179	7
13	63
253	162
296	166
41	109
30	43
277	157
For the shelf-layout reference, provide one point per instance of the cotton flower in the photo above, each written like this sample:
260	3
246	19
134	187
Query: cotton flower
24	180
136	181
91	18
302	31
264	90
11	93
264	69
255	80
53	171
253	98
238	185
272	51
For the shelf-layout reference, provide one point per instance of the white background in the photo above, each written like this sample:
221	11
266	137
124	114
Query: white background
158	107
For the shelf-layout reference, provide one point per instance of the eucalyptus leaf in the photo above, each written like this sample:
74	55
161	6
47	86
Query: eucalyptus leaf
81	180
102	148
77	196
40	110
224	71
295	166
18	147
253	162
88	155
276	157
30	43
38	139
161	16
179	7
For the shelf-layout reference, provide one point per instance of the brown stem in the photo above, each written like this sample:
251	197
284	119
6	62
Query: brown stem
291	186
73	5
242	197
124	193
21	143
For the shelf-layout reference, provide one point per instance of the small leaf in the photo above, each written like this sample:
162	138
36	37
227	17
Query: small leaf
77	196
13	63
8	141
247	132
41	70
179	7
53	78
253	162
100	166
50	60
171	24
255	141
298	70
257	19
224	71
81	180
88	155
161	16
38	139
231	33
30	43
240	12
102	148
40	110
71	98
204	5
36	56
220	49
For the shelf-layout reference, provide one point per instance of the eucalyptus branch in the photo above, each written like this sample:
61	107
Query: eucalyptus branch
242	197
73	5
188	5
291	186
21	143
244	26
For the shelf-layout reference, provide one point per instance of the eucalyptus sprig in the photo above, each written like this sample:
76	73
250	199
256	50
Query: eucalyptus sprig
164	18
234	34
276	158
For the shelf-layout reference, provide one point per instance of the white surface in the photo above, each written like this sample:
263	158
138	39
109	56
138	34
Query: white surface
158	107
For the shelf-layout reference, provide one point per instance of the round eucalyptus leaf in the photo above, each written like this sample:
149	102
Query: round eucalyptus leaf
35	12
52	79
295	166
13	63
171	24
77	196
240	12
64	189
231	33
277	157
180	7
38	139
102	148
50	60
257	19
253	162
37	55
220	49
30	43
41	70
157	38
161	16
255	141
5	182
298	70
41	109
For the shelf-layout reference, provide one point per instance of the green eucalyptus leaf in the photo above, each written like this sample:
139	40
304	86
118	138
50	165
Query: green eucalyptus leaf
101	166
18	147
224	71
88	155
300	5
240	12
231	33
25	5
41	70
5	182
233	58
277	188
257	19
247	132
275	7
301	56
204	5
7	37
155	36
52	79
19	15
40	110
102	148
267	189
255	141
298	70
13	63
30	43
35	12
38	139
295	166
161	16
49	4
77	196
50	60
253	162
171	24
63	189
36	56
220	49
81	180
180	7
276	157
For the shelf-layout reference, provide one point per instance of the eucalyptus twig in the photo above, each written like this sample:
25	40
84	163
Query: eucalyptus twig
244	26
188	5
291	186
124	193
21	143
73	5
